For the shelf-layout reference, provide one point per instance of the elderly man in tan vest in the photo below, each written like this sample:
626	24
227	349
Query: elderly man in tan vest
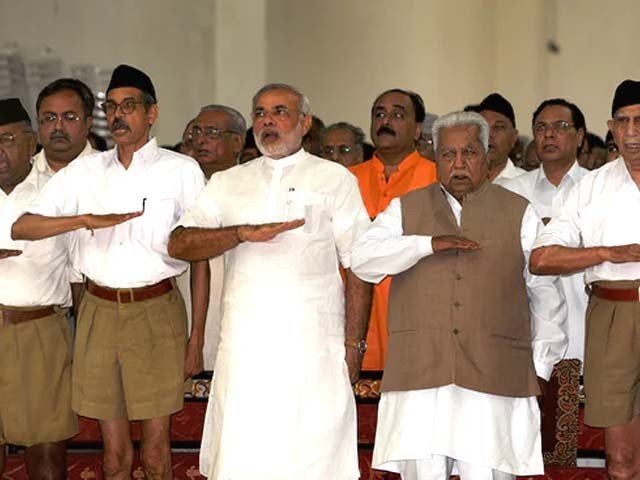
473	336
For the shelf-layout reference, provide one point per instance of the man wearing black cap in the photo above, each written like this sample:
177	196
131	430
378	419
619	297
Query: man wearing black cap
498	113
35	366
598	231
129	357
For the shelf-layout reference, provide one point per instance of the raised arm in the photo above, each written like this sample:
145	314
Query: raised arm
558	260
36	227
193	244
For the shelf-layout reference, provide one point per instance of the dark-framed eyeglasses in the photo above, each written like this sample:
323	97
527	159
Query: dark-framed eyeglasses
212	133
126	106
342	149
559	127
51	118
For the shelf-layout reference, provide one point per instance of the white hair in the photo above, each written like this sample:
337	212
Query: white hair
460	119
303	102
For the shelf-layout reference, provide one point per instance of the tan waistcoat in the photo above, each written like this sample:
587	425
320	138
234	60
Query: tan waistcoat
463	317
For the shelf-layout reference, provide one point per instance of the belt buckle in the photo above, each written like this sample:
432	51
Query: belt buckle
128	291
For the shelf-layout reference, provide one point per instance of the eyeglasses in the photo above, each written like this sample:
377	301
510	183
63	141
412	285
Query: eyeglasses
343	149
612	148
51	118
560	127
279	112
127	106
212	133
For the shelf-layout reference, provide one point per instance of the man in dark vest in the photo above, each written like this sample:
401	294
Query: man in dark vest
473	336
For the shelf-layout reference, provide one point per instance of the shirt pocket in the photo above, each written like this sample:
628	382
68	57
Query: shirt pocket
311	206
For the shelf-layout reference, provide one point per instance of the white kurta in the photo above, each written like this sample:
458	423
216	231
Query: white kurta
508	172
282	405
502	433
547	200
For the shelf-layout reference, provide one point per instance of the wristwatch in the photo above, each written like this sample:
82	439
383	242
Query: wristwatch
360	345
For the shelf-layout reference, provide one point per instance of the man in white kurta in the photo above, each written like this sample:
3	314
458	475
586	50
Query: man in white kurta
423	433
548	187
281	405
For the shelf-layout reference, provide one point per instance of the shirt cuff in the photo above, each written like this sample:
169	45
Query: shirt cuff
543	370
424	245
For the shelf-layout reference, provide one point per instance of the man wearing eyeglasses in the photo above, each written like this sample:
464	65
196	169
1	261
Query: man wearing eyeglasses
342	142
217	137
598	232
35	364
558	130
396	169
130	360
285	222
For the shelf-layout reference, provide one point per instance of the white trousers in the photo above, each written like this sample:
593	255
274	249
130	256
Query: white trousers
439	467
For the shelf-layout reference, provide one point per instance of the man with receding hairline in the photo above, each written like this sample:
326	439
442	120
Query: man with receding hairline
291	329
472	335
397	168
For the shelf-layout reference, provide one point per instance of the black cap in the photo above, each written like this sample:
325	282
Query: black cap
127	76
12	111
627	93
497	103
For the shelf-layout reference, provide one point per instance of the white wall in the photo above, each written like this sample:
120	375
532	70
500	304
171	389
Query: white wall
342	53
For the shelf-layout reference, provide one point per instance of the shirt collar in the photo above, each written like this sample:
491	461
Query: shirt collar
575	174
42	165
407	162
279	163
143	155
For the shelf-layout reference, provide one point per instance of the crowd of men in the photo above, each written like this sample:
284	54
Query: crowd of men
447	254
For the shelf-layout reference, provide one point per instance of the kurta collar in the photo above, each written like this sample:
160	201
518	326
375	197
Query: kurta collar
143	155
407	162
279	163
575	174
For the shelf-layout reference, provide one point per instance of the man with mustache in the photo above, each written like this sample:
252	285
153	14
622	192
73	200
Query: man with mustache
130	359
558	131
498	113
217	137
598	231
285	222
35	366
472	335
65	116
396	169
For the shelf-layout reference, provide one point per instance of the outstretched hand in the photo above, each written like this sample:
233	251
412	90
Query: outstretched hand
266	231
623	253
452	242
6	253
94	222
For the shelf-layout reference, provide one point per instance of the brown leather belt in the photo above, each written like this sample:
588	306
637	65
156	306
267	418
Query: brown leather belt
616	294
128	295
12	316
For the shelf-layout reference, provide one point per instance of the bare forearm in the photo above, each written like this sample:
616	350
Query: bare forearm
358	306
36	227
200	275
558	260
195	244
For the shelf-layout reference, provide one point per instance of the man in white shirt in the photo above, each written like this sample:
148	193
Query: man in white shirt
217	137
598	231
473	337
498	113
35	366
285	222
130	360
558	130
65	115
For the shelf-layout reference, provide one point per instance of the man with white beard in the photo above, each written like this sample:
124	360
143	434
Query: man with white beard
290	334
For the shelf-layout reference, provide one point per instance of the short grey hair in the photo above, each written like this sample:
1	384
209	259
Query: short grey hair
358	133
237	123
303	102
461	119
